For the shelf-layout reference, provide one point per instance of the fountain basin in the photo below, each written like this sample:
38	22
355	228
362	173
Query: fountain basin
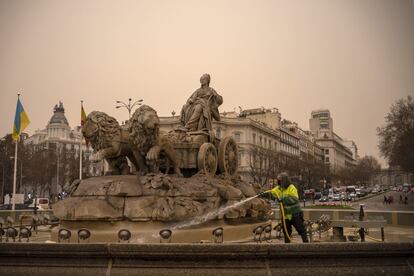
148	232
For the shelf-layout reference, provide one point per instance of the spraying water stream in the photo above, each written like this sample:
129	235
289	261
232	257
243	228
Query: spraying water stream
210	215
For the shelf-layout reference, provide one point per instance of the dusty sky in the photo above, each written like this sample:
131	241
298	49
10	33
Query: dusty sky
354	57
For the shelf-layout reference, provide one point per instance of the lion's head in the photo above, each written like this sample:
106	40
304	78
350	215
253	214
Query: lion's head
100	128
144	127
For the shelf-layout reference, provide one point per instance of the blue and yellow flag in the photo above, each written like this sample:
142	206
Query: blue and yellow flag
21	121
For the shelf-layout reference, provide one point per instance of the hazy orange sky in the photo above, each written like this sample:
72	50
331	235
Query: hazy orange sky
354	57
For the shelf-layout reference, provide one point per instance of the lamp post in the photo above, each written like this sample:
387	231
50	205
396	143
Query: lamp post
57	165
2	186
128	106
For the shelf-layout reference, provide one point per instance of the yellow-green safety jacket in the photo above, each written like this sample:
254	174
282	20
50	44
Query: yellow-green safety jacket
290	199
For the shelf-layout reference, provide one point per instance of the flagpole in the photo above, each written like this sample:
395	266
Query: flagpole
15	170
14	176
80	150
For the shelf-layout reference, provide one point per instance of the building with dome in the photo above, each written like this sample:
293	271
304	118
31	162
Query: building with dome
58	133
61	140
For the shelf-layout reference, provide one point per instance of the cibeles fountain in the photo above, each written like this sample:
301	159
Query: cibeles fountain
186	188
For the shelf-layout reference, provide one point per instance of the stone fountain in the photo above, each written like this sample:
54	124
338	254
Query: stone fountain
182	176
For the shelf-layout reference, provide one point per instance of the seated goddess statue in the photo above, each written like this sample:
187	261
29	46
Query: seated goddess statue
201	107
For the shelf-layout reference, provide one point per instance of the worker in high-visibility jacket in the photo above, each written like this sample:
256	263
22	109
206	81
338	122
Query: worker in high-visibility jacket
287	194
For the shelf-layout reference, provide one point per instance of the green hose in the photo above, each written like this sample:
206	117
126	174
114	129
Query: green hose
283	220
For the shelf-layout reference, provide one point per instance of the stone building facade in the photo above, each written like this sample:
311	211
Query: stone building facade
260	128
391	177
338	153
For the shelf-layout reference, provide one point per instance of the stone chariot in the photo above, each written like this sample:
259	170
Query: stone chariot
202	151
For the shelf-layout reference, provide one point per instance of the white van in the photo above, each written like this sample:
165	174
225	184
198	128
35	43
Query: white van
42	203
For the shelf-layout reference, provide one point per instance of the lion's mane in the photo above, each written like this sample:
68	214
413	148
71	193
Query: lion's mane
108	128
142	137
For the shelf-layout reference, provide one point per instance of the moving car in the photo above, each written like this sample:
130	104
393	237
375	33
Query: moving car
406	188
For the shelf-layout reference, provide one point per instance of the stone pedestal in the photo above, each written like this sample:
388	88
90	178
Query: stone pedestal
152	202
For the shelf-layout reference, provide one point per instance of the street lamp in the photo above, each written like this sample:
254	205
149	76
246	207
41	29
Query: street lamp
128	106
2	186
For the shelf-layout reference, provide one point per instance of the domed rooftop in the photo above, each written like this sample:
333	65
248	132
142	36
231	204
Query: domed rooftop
59	115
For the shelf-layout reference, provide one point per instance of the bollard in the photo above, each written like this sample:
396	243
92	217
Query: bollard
361	212
361	218
338	234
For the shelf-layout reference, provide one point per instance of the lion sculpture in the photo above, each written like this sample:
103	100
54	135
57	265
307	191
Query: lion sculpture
109	140
148	145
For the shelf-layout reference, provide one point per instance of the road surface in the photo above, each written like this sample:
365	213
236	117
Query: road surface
377	202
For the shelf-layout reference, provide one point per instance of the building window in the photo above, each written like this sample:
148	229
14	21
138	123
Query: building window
260	141
237	137
254	138
326	151
327	159
218	133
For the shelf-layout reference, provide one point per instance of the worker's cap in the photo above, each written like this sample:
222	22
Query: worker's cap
283	175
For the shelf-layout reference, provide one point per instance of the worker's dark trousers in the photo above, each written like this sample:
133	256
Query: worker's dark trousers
298	222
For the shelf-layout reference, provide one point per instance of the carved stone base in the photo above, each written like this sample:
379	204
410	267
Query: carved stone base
158	197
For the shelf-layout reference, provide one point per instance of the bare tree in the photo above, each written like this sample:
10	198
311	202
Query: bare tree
264	164
396	141
362	173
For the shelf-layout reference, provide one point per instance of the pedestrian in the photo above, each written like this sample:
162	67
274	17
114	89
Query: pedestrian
385	200
406	200
287	194
401	200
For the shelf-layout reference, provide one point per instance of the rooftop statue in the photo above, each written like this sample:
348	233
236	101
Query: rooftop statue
201	107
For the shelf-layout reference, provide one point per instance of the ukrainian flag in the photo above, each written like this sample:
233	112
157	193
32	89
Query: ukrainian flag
21	121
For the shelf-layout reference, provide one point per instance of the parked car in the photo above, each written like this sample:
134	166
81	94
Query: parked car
18	206
360	192
336	197
42	203
324	199
318	195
